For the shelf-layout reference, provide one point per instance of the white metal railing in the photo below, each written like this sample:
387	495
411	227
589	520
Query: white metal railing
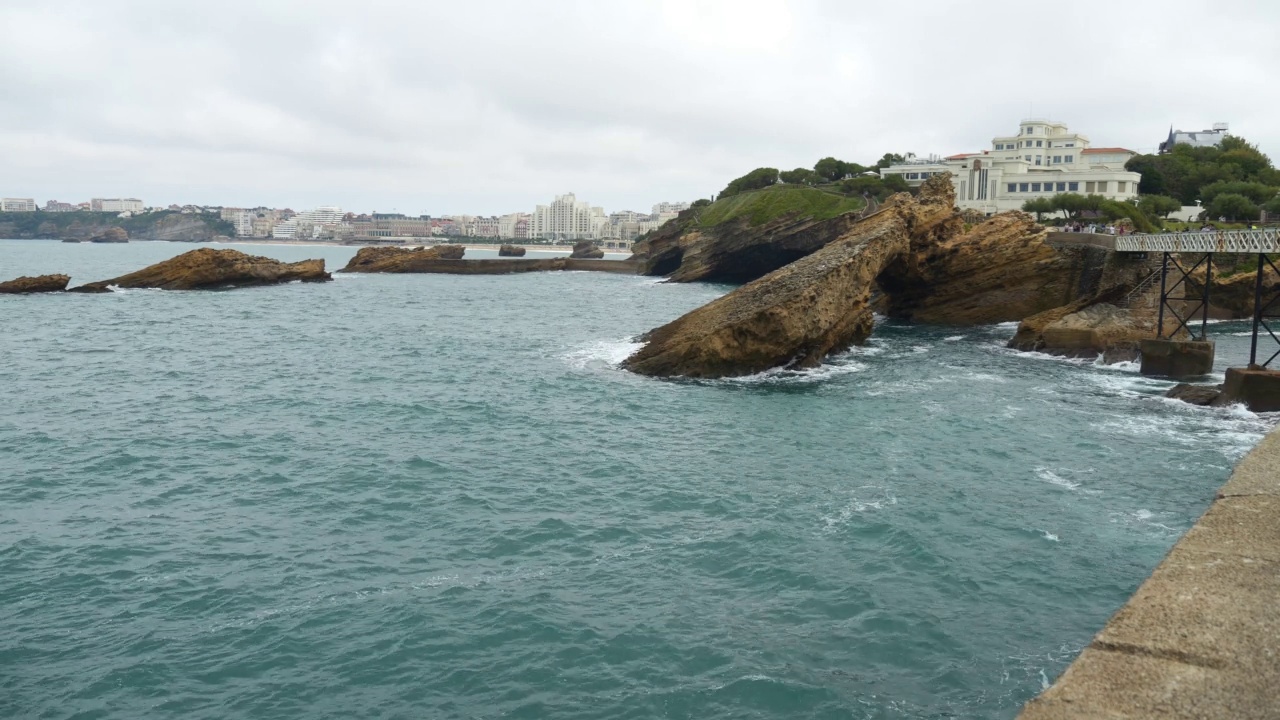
1218	241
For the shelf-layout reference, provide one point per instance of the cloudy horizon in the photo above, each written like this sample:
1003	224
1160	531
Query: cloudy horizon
492	107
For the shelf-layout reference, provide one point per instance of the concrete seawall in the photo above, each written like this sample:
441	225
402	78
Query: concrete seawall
1201	637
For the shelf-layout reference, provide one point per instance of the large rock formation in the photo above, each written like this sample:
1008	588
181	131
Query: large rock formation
1087	329
1230	297
586	250
795	316
735	251
111	235
511	251
208	269
402	260
39	284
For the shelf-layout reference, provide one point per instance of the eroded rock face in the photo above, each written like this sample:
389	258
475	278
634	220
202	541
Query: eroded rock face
208	269
795	316
1087	330
1195	394
586	250
111	235
401	260
38	284
511	251
734	252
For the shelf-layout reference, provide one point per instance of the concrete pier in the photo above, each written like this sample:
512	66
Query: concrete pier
1258	388
1177	358
1201	637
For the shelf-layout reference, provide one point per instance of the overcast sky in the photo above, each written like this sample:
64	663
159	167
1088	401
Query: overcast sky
487	106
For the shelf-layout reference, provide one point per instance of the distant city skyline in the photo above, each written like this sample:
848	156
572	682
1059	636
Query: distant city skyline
627	103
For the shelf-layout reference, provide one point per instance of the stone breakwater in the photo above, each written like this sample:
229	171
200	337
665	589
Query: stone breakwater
1201	637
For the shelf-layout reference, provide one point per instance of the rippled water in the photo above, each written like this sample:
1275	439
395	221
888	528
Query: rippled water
435	496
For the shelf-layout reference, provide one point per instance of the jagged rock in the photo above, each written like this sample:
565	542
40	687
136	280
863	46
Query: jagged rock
511	251
111	235
39	284
1231	297
586	250
797	315
401	260
207	269
734	252
71	240
1087	329
1194	394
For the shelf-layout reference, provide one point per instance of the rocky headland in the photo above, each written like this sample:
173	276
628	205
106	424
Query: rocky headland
401	260
38	284
922	262
448	260
209	269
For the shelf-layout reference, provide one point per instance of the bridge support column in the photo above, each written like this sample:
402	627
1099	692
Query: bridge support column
1257	387
1177	358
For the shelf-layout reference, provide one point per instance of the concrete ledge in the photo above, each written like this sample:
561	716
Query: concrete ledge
1201	637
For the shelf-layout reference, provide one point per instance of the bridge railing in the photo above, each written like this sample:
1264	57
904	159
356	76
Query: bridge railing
1219	241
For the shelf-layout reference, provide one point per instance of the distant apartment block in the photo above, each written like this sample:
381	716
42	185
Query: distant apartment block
514	226
17	205
55	206
115	205
1201	138
567	218
664	208
1041	160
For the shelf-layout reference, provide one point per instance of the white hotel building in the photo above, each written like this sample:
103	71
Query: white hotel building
1041	160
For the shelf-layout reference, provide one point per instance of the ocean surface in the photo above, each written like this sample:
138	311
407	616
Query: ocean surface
431	496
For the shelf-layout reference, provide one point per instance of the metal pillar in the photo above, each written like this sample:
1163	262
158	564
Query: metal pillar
1167	296
1261	314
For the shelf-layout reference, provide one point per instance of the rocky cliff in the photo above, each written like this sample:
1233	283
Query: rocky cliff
40	284
795	316
208	269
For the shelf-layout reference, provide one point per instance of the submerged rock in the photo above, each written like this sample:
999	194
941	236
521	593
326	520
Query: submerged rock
795	316
586	250
208	269
1194	394
38	284
111	235
511	251
401	260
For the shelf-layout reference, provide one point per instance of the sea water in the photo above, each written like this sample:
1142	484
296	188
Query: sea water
422	496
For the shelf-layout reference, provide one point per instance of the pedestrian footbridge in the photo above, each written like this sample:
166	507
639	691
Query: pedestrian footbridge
1218	241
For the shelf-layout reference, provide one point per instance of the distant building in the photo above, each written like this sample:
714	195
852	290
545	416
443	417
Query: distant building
514	226
115	205
1202	138
55	206
309	224
567	218
1041	160
663	208
17	205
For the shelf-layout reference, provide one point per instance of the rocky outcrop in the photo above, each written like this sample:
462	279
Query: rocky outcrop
735	251
39	284
511	251
111	235
1231	297
401	260
1087	329
209	269
586	250
621	267
1195	394
795	316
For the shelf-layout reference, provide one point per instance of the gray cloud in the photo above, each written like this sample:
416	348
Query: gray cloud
493	106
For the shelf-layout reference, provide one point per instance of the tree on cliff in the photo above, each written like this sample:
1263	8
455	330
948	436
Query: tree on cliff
1186	171
833	170
1039	206
1273	207
1258	193
887	160
1233	207
1159	205
754	180
1072	204
800	176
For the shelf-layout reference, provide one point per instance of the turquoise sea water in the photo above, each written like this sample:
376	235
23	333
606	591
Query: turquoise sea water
436	496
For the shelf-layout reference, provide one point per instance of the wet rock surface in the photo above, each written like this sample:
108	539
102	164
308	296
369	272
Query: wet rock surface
208	269
586	250
111	235
1194	394
401	260
511	251
37	284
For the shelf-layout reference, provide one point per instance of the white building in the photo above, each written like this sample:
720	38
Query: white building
664	208
1202	138
115	205
1041	160
17	205
514	226
567	218
308	224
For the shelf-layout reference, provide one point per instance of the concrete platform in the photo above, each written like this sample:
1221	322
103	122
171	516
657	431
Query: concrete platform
1258	388
1177	358
1201	637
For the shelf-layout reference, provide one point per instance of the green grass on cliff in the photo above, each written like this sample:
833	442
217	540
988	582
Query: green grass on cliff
761	206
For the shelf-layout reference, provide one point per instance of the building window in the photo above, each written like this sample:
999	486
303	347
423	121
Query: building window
1073	187
999	146
1057	159
1062	187
1120	185
1029	130
1089	186
1039	143
1013	187
1038	159
1035	187
1102	186
1022	187
1027	157
1070	159
1069	145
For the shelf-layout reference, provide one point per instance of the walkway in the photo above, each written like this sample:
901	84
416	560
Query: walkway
1219	241
1201	637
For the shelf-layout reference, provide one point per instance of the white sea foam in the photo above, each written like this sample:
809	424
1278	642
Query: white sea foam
834	367
1054	478
1048	536
600	354
954	338
861	500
